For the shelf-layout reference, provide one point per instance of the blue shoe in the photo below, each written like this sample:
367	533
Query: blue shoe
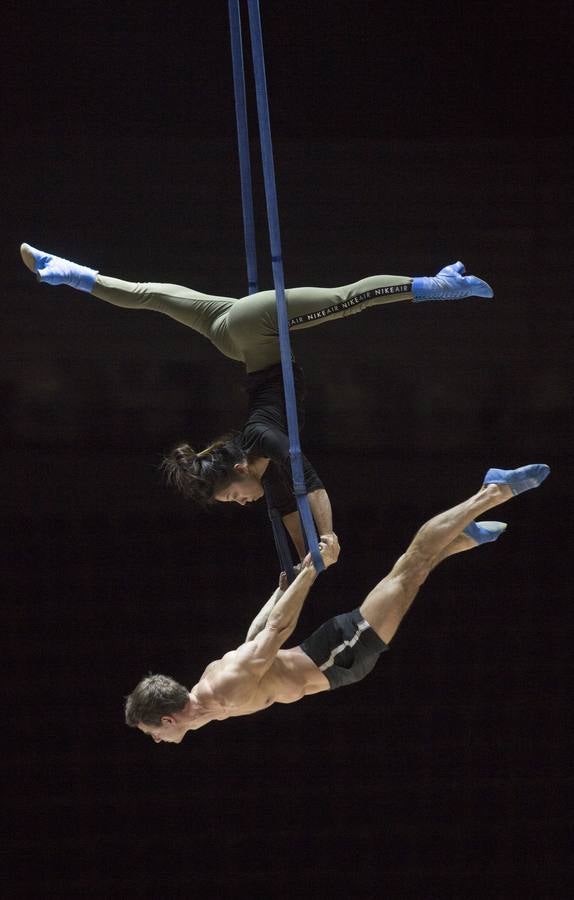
484	532
450	284
519	480
55	270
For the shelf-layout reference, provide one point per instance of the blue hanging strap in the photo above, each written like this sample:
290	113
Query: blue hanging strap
279	534
279	282
243	145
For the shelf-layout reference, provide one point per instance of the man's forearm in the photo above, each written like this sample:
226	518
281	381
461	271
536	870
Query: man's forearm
260	620
285	613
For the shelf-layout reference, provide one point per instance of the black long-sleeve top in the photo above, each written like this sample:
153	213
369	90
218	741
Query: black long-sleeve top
265	435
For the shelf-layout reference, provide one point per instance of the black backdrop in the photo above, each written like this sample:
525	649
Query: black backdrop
406	136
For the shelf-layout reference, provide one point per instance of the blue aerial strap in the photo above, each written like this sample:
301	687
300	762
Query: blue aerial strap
295	454
243	145
279	535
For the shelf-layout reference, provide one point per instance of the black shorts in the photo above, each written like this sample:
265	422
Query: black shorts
345	648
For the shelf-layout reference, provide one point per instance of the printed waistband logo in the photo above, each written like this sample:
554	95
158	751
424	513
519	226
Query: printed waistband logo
352	301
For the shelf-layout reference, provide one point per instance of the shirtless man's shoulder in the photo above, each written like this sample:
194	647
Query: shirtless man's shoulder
227	682
220	666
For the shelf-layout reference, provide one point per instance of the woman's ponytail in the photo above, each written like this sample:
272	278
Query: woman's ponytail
200	475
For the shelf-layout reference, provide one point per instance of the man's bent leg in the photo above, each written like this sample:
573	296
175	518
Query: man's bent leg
387	603
472	536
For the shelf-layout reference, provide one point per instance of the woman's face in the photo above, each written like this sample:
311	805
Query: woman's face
243	489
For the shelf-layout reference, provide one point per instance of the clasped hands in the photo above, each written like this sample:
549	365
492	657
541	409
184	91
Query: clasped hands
329	549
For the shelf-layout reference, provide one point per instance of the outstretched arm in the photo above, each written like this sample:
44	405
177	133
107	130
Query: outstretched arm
237	675
321	509
260	652
285	614
260	620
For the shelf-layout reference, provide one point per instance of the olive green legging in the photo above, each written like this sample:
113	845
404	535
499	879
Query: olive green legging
246	329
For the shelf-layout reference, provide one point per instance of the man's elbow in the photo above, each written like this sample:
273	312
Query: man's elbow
280	627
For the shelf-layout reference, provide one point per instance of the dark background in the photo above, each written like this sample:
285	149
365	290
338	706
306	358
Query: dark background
407	135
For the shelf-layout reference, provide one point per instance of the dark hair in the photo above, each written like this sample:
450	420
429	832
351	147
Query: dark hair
154	697
198	476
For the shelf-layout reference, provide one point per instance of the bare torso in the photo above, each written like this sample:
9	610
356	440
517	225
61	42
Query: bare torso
227	689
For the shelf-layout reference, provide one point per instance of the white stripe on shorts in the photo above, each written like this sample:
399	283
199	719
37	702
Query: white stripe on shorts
361	626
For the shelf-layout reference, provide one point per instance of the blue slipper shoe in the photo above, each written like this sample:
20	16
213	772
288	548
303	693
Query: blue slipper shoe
523	479
55	270
450	284
485	532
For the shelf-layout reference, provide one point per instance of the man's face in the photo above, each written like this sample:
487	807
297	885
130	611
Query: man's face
244	489
169	732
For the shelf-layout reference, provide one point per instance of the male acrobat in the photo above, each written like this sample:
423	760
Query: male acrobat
343	650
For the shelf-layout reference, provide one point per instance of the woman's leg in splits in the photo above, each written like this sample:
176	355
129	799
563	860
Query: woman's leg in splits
246	329
440	537
201	312
253	324
204	313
